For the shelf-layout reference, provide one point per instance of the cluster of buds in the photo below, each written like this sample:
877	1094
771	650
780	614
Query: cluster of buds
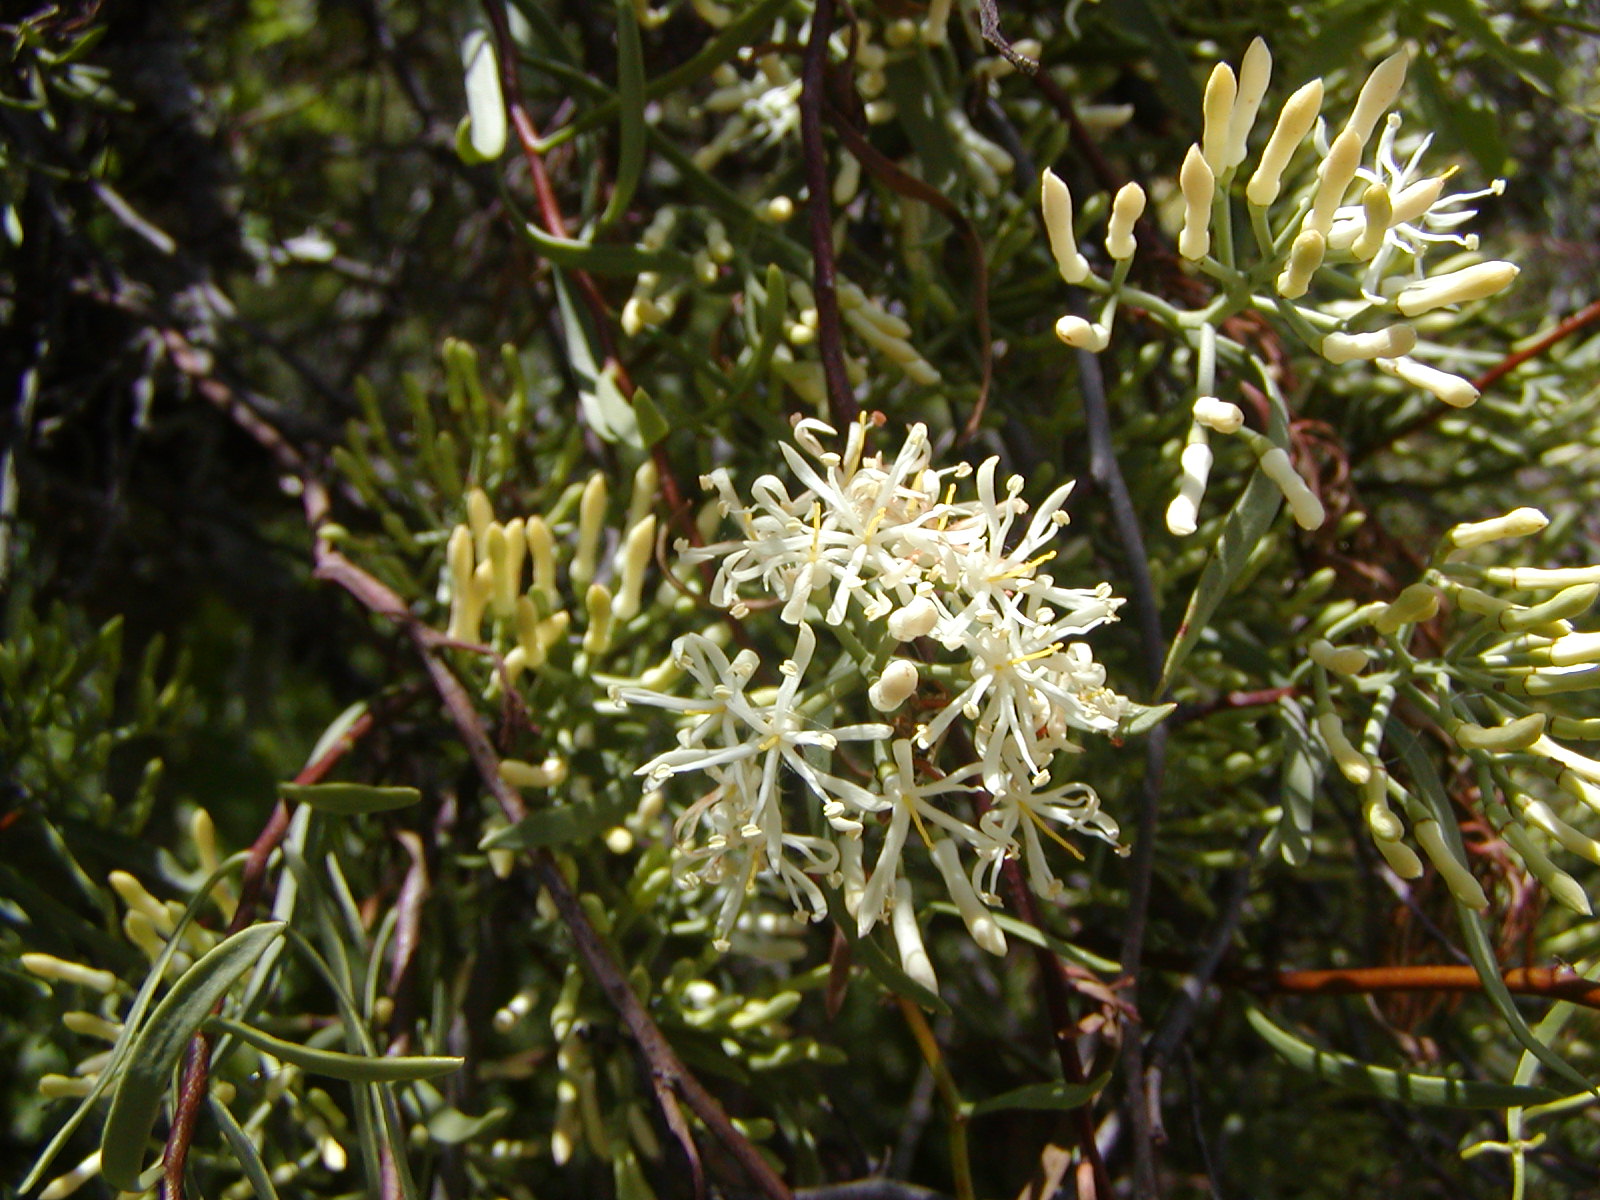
941	621
509	573
1502	693
1370	224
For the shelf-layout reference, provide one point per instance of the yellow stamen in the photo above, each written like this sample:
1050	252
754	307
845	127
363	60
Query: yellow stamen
1052	834
916	820
1045	653
1024	568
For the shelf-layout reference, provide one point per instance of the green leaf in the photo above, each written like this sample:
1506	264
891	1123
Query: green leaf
136	1102
652	425
1049	1097
1402	1086
1141	718
356	1068
604	406
563	825
244	1152
1303	765
1466	121
603	258
347	799
878	964
1537	66
631	101
1243	527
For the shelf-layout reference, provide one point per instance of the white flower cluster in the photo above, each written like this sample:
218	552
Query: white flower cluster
1369	226
940	613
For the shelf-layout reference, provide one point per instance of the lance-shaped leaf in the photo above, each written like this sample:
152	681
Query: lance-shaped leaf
357	1068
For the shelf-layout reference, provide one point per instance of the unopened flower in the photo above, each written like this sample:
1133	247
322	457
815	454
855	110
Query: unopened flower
1295	120
1443	386
1382	343
1457	287
1126	210
1057	201
1198	184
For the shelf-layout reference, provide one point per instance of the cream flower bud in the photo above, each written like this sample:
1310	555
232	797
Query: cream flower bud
1305	256
1333	180
1199	186
1382	343
1303	504
1381	821
637	549
1414	200
898	681
915	620
1519	522
979	920
1419	602
914	959
1294	122
1558	883
479	514
467	598
1183	512
48	966
591	514
1377	214
1377	94
1443	386
1083	335
1341	660
1542	816
1216	108
1540	579
542	550
1126	210
645	480
1056	199
550	773
1352	764
597	607
1454	872
1574	649
1255	73
1504	738
1219	416
1567	603
1457	287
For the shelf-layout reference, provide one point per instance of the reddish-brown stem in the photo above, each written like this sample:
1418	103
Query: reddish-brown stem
1551	983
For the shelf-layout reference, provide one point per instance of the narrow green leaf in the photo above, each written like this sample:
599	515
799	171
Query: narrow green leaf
1034	936
602	258
631	102
1304	762
245	1152
1243	527
136	1102
563	825
357	1068
647	415
451	1126
347	799
1402	1086
604	406
1050	1097
1140	718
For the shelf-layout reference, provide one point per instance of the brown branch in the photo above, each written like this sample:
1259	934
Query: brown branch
842	407
1550	983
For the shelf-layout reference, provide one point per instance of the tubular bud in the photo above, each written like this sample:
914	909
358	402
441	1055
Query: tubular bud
550	773
1402	859
979	920
1199	186
1303	504
1455	874
1456	287
1216	107
898	681
914	959
1574	649
1381	343
1377	94
1519	522
1294	122
1083	335
1056	199
1377	214
597	635
1219	416
1557	882
1183	512
591	513
1539	814
637	549
1445	387
1569	602
1512	735
1380	818
1305	256
479	513
1579	729
1541	579
1341	660
1352	764
1255	73
1333	180
1419	602
48	966
1126	210
1578	764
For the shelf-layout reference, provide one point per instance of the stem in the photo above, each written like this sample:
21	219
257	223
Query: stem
960	1163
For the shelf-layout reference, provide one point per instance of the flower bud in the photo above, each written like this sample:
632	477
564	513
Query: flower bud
1083	335
591	513
1380	343
1333	180
1574	649
1456	287
1553	682
1504	738
898	681
914	959
550	773
479	514
1580	729
1558	883
1294	122
1255	73
1402	859
1579	764
1126	210
1305	256
48	966
1569	602
1419	602
467	598
1540	815
979	920
1341	660
1455	874
1056	200
1377	214
1520	522
1414	200
637	549
1377	94
1219	416
1303	504
1541	579
1381	821
597	633
1216	109
915	620
1450	389
1352	764
1199	186
1183	512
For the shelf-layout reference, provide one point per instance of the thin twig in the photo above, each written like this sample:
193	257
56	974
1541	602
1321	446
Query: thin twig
1550	983
842	406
